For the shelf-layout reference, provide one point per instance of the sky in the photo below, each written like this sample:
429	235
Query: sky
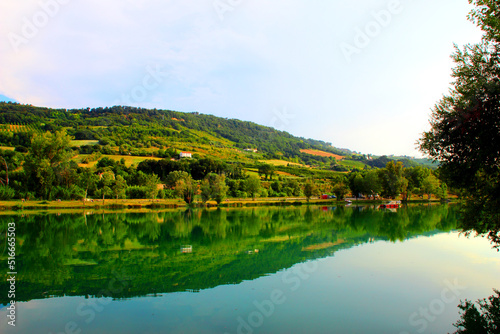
362	75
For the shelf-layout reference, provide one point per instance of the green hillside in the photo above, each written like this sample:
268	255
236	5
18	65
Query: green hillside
130	131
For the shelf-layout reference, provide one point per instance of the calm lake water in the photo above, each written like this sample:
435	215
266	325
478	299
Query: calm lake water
248	270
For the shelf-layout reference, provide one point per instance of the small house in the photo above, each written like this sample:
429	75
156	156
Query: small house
185	155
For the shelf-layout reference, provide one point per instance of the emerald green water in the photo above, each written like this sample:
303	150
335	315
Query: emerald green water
249	270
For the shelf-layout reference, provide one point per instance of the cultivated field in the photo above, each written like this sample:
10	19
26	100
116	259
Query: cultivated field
322	154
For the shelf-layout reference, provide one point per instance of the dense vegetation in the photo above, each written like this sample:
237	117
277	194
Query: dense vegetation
85	153
465	134
130	127
48	172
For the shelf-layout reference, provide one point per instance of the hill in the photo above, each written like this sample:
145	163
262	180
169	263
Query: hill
122	130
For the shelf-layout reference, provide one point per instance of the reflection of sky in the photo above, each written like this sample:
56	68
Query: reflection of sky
372	288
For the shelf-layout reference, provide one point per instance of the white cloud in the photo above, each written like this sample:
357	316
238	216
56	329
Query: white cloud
261	56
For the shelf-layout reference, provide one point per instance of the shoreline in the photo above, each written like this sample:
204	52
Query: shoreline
138	204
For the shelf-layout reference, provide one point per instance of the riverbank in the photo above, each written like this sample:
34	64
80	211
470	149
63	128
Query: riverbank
9	206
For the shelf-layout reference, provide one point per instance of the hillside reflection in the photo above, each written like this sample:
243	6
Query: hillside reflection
159	252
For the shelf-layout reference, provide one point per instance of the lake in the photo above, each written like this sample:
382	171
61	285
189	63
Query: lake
304	269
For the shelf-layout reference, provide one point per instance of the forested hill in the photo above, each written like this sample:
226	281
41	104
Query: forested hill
139	127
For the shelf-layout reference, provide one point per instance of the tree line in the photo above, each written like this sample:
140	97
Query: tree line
48	171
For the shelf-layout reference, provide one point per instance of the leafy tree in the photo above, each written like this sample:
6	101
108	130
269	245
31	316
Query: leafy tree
485	320
416	177
464	136
175	176
267	170
205	190
47	151
119	187
392	179
340	187
430	185
151	184
88	181
105	183
186	189
309	189
371	183
252	185
219	188
356	183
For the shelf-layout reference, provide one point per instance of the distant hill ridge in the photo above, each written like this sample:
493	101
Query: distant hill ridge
243	134
120	126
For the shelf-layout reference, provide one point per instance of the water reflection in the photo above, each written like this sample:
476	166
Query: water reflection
159	252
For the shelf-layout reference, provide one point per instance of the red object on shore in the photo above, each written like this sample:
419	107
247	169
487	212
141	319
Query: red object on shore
391	205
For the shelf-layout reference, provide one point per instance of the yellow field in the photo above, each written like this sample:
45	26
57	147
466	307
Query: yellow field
78	143
277	162
322	154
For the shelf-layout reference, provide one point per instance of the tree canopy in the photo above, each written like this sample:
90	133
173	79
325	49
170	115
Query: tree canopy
465	124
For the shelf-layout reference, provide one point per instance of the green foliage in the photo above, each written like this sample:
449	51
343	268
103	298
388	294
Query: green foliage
340	187
267	170
48	154
310	189
6	193
392	179
485	320
252	185
186	188
464	136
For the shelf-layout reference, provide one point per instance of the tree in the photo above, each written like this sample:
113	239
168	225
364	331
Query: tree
309	189
430	185
105	183
88	181
152	181
205	190
340	187
219	188
416	177
266	170
119	187
252	185
485	320
175	176
356	183
392	179
186	189
371	183
46	152
464	135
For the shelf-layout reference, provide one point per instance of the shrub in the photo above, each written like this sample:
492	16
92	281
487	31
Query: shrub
6	193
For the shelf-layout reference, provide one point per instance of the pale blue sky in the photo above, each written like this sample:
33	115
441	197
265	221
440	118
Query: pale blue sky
360	74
